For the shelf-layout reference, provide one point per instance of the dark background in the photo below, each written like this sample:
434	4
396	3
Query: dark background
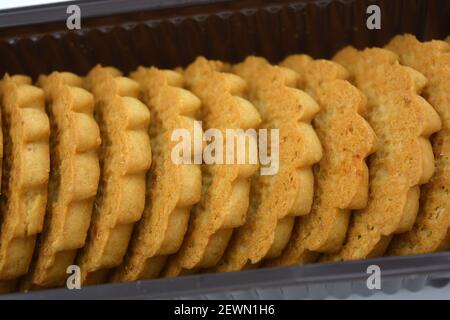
226	30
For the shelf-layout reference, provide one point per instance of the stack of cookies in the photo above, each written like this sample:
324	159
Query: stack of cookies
94	179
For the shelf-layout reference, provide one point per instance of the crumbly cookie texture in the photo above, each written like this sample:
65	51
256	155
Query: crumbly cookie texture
431	229
26	165
276	199
402	121
347	140
125	157
74	177
172	188
225	187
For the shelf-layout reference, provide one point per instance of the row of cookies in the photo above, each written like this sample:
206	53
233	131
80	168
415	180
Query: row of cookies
88	179
403	121
50	135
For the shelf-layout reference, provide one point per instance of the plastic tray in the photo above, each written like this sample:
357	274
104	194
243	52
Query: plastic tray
172	33
310	281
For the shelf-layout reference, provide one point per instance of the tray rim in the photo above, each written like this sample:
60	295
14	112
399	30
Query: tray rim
52	12
434	266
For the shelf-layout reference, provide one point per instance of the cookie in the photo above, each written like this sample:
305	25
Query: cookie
125	157
26	165
73	182
276	199
172	188
402	121
347	140
225	187
431	229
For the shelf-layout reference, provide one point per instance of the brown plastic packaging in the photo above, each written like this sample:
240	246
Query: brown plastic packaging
227	30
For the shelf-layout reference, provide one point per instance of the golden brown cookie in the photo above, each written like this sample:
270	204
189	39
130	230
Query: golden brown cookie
225	187
73	180
342	176
402	121
26	165
431	230
276	199
172	188
125	157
